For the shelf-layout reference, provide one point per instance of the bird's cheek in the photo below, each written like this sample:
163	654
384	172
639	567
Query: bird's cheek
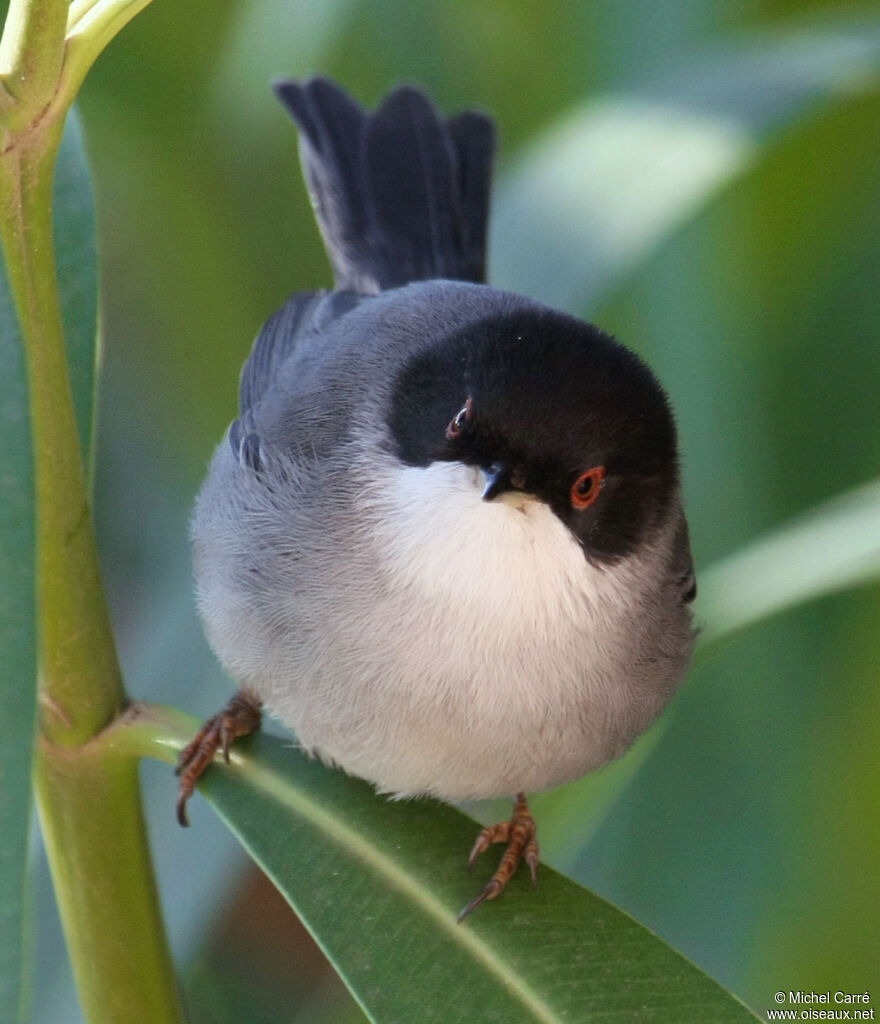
581	521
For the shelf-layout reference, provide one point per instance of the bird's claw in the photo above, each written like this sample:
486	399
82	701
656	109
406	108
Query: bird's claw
520	834
240	717
499	833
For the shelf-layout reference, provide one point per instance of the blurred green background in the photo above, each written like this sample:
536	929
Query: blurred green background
700	177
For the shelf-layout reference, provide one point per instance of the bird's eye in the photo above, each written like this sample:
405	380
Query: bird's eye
585	489
457	423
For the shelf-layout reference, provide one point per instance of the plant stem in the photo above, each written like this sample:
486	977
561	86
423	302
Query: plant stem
31	56
80	689
87	792
86	795
90	810
151	730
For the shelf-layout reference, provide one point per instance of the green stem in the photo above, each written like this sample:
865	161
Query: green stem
151	730
90	811
88	798
87	793
80	689
31	56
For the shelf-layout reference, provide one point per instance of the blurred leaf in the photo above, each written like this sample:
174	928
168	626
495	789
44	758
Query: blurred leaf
75	242
607	183
619	174
835	546
379	884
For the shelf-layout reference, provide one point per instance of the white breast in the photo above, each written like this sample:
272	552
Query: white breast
500	562
428	640
489	657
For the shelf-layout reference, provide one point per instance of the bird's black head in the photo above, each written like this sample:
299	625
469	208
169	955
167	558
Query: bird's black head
551	406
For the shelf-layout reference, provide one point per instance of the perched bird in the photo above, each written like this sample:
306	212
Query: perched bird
444	541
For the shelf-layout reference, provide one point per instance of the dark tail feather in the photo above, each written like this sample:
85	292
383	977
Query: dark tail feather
474	137
401	195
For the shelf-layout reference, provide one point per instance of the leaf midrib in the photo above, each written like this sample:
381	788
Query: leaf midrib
352	841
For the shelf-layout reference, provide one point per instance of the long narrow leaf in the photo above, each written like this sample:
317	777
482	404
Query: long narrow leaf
835	546
379	885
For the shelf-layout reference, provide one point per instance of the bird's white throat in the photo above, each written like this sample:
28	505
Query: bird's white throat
508	559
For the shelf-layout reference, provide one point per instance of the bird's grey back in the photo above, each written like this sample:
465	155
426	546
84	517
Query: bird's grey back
300	394
401	196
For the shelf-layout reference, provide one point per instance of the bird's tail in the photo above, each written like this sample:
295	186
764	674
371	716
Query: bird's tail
402	194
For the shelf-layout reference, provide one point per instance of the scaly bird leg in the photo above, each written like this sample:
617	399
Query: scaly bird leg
240	717
521	837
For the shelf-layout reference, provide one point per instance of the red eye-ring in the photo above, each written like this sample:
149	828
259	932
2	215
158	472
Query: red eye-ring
458	422
585	489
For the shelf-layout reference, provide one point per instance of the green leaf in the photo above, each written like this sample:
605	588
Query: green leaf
618	175
75	238
380	883
835	546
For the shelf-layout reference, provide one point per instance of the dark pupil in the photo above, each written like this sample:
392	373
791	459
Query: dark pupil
585	486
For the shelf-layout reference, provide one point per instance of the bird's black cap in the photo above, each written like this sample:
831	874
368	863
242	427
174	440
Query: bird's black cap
551	397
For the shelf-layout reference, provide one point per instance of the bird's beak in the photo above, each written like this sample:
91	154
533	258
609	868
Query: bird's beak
497	479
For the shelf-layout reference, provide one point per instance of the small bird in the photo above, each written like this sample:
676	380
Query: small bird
444	540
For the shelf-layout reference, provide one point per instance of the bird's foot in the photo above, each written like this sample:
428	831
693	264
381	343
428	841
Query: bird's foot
521	837
241	716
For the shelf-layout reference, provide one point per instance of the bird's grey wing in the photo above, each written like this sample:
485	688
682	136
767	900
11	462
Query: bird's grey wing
682	562
303	317
401	195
